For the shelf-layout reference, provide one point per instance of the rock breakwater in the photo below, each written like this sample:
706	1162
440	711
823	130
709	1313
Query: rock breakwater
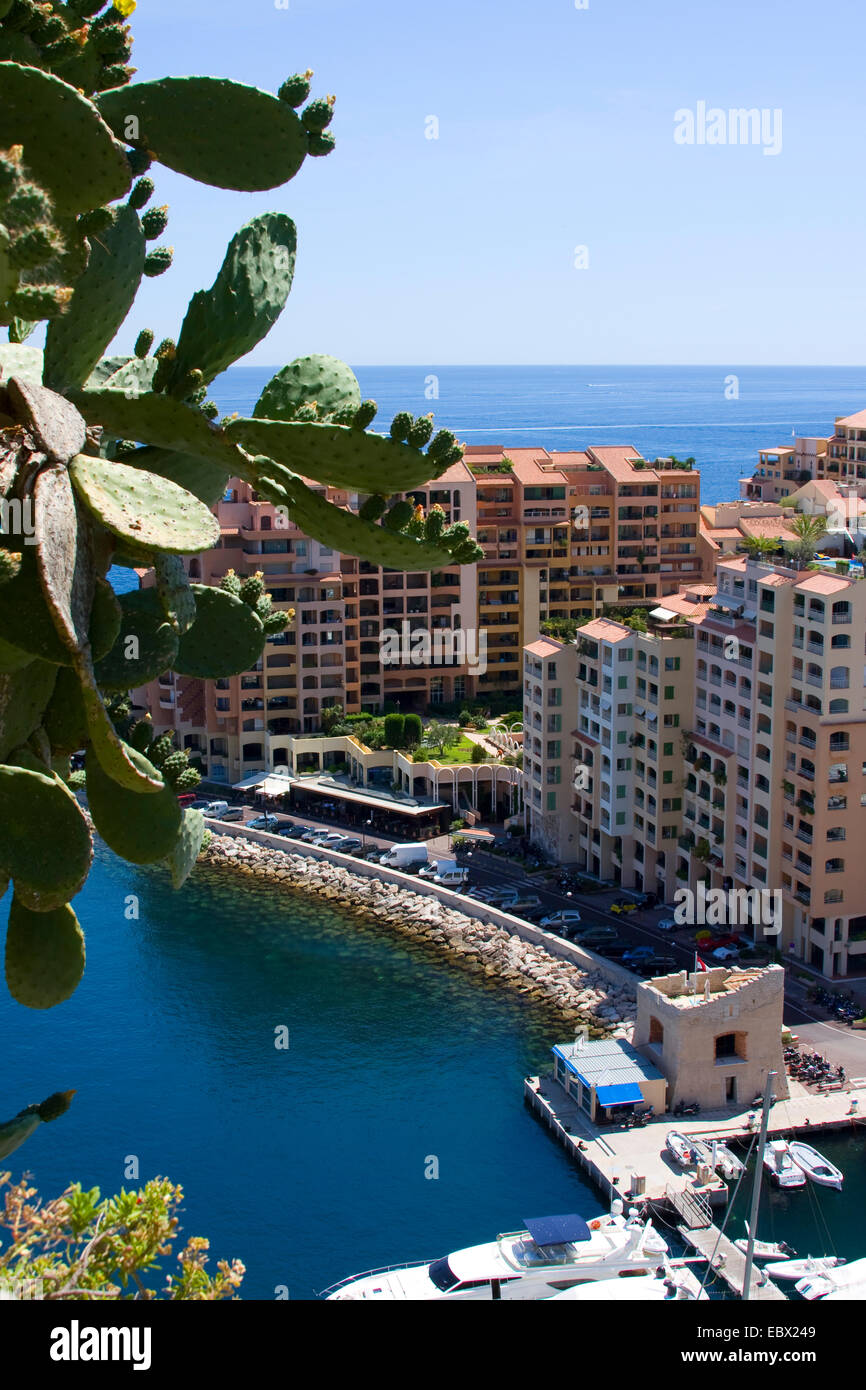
581	996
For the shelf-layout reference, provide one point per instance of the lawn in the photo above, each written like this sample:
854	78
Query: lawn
460	753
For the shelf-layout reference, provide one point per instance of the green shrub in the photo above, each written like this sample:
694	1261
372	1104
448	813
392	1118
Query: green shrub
395	730
479	755
413	730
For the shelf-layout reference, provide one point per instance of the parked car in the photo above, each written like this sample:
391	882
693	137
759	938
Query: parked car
481	895
451	878
348	844
264	822
725	953
201	803
647	899
535	914
519	903
621	905
594	936
293	832
636	953
327	839
668	924
655	965
231	813
567	917
186	800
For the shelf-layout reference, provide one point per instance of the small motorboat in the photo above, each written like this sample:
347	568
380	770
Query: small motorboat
725	1161
682	1148
816	1167
835	1280
781	1166
765	1249
667	1285
803	1269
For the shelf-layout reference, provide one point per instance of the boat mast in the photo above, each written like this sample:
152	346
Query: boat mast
756	1184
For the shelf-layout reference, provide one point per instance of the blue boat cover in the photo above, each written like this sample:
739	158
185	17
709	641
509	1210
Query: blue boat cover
557	1230
619	1095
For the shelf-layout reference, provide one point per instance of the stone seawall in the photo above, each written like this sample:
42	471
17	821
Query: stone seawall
537	964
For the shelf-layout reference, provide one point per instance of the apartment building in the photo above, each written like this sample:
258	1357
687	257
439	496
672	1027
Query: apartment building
841	458
727	746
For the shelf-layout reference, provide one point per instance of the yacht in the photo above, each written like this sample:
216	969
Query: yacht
781	1166
667	1285
553	1253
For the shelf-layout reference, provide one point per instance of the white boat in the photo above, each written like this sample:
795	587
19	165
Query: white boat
550	1255
803	1269
682	1147
765	1249
725	1161
839	1279
781	1166
816	1167
667	1285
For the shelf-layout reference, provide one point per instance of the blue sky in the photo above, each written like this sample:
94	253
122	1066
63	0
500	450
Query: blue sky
556	130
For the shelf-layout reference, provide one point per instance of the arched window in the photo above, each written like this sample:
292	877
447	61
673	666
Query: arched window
839	678
838	707
834	866
841	639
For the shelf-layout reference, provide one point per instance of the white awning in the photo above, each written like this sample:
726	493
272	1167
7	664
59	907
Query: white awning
271	783
664	615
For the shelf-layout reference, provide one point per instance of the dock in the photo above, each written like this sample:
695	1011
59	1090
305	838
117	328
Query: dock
697	1229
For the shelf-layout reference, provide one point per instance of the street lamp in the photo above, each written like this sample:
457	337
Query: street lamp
367	824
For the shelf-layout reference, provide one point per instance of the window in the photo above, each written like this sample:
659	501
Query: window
667	776
834	866
620	792
656	1032
622	683
672	663
668	750
670	691
551	801
839	678
838	707
620	817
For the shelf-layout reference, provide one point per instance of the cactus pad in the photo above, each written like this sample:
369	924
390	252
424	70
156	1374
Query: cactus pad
67	144
64	720
64	555
142	507
25	620
54	423
44	956
211	129
141	829
335	454
174	592
198	476
162	422
146	644
226	638
326	380
182	859
18	360
38	814
24	695
102	299
244	302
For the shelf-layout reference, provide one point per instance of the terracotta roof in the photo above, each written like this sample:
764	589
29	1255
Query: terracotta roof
605	630
853	422
545	646
771	526
616	458
685	607
824	583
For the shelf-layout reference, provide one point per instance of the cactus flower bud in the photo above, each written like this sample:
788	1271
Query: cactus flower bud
154	221
364	415
157	262
141	194
401	425
320	142
96	222
421	431
373	508
296	89
31	248
144	342
139	161
318	115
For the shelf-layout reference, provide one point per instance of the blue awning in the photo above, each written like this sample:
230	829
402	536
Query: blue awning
557	1230
619	1095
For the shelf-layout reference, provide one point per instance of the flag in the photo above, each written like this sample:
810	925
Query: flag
700	965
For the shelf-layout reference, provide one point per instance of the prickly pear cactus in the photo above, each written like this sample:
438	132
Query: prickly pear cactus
119	458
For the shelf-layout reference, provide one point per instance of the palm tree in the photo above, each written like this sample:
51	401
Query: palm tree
759	547
809	532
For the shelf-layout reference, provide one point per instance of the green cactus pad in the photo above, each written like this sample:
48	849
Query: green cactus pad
18	360
244	302
226	638
203	479
44	955
105	368
187	848
24	695
64	720
335	454
338	528
142	507
141	829
213	130
64	555
105	617
25	620
134	378
146	644
326	380
103	296
174	592
162	422
37	814
68	146
111	751
13	658
54	423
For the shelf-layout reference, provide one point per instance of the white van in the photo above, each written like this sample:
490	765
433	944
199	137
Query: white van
400	856
437	866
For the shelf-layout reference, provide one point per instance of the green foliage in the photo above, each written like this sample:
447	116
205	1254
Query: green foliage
395	730
412	730
478	753
85	1247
